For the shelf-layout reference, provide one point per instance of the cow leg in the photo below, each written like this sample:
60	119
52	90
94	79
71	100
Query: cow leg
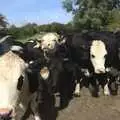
36	117
105	87
93	87
27	113
113	86
77	89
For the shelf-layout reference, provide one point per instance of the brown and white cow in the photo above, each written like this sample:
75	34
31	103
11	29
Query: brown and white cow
14	86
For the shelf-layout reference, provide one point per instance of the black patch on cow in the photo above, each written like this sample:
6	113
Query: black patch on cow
20	83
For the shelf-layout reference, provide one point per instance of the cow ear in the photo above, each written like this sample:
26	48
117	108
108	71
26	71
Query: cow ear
20	83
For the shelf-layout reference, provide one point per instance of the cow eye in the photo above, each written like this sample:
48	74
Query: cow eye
48	44
20	83
92	56
59	40
105	56
54	40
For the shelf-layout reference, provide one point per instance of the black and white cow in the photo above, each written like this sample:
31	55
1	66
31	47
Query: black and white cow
94	52
50	43
61	70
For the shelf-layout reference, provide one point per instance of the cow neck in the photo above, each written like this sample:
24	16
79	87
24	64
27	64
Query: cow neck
49	57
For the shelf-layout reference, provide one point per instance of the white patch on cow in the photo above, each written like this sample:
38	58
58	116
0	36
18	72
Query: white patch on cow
77	89
97	55
12	67
16	48
44	72
106	90
31	62
21	106
31	41
108	69
37	45
65	59
86	72
36	117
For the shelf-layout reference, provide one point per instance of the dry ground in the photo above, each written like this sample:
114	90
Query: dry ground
89	108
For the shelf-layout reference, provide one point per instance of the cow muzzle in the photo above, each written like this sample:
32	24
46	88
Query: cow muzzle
6	114
100	71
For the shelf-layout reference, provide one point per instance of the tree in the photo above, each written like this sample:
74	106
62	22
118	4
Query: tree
114	24
3	22
3	25
91	14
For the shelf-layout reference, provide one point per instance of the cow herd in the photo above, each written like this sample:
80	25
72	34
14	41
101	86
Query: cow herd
58	64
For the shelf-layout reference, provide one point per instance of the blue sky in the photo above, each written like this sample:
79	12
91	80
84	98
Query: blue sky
20	12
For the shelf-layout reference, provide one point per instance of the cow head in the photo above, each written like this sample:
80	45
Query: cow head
12	75
49	42
98	54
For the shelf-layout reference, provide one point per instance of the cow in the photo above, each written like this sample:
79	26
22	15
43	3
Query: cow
95	52
13	83
19	83
59	65
42	102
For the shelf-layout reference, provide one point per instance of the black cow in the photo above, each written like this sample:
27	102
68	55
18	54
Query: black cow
94	52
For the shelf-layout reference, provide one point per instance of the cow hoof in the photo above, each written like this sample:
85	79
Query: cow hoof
77	94
114	93
95	94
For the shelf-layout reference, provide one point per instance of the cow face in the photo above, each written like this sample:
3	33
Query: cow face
49	42
11	82
98	54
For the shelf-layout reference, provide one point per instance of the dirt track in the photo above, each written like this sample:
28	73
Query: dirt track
89	108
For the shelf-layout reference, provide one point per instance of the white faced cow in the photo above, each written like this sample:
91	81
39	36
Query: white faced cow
12	74
50	42
95	51
14	86
98	54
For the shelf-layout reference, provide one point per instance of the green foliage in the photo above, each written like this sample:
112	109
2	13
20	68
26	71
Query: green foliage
31	29
3	25
91	14
114	24
24	31
3	21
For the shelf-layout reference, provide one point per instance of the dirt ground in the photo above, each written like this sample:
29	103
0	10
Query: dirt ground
90	108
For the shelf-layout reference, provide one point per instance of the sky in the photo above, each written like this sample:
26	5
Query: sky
19	12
